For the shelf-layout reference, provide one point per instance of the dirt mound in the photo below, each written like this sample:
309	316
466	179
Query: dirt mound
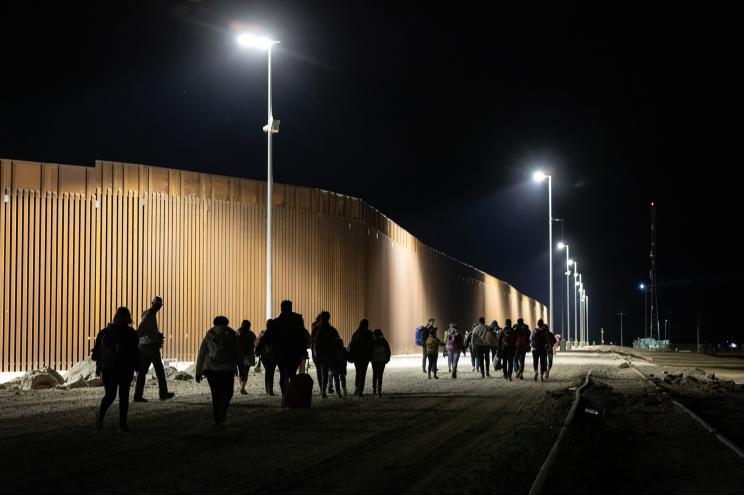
41	379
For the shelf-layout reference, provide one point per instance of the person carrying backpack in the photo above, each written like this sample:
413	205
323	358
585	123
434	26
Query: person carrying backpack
247	349
380	357
422	333
288	338
432	351
523	334
218	358
117	356
454	347
324	349
508	349
481	347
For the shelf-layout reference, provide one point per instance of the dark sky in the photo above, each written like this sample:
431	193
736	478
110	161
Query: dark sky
436	115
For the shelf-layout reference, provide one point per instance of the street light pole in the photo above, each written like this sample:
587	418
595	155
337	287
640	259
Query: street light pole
562	245
576	299
621	314
538	177
271	128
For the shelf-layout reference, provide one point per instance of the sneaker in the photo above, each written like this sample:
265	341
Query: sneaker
243	392
167	395
140	399
436	377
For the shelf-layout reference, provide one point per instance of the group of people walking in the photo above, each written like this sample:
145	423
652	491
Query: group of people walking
120	350
505	349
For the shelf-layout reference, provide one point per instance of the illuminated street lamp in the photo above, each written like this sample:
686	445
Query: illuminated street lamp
645	308
248	40
539	177
561	245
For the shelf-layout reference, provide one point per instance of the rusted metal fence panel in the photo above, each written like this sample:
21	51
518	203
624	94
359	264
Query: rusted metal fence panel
78	242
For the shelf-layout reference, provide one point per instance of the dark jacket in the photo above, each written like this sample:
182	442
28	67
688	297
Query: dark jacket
119	352
227	358
246	342
509	337
360	348
288	338
380	350
523	337
147	330
340	358
540	339
325	342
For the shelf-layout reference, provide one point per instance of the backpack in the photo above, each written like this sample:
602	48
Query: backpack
490	338
421	336
379	354
218	350
432	345
108	356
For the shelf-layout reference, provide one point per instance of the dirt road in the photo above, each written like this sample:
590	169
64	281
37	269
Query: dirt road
469	435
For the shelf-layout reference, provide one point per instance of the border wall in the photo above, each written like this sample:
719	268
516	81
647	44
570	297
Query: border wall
77	242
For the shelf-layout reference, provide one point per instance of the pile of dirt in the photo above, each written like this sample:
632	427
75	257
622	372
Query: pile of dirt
41	379
83	374
696	377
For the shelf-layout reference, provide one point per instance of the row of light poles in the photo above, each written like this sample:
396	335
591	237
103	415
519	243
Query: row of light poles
581	298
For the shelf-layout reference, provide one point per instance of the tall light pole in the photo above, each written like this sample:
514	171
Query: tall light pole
561	245
645	309
539	177
271	128
586	326
576	298
621	314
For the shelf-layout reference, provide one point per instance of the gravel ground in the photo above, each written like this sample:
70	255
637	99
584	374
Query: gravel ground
469	435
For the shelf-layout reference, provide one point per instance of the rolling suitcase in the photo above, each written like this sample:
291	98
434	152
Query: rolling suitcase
300	390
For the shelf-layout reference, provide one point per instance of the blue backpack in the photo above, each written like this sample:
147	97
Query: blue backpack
421	335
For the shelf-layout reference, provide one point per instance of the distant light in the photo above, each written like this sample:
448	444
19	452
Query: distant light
538	176
253	41
652	203
642	286
733	345
561	245
570	262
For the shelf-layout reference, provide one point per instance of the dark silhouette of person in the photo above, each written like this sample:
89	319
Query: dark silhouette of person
313	330
324	349
380	357
508	338
116	355
360	351
247	349
338	369
266	355
150	342
219	356
288	337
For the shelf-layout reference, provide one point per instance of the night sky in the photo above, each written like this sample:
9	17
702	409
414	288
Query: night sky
435	114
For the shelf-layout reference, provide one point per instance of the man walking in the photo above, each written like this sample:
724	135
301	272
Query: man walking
286	335
150	342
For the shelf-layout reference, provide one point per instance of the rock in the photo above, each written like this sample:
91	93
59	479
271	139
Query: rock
183	376
84	370
2	387
710	376
191	369
624	365
41	379
14	383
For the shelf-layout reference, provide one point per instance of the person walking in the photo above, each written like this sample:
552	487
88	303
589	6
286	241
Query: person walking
117	356
380	357
432	350
247	350
481	346
338	369
288	338
552	341
150	343
508	349
539	343
324	349
454	346
523	334
360	352
219	357
422	333
265	353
